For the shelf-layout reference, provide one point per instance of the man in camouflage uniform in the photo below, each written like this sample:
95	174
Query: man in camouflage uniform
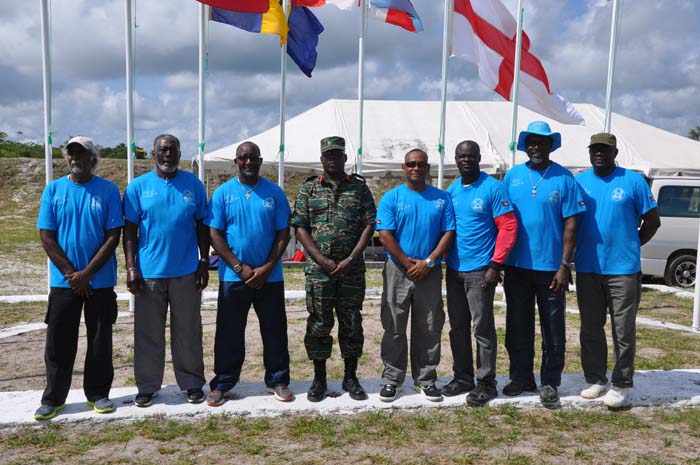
334	221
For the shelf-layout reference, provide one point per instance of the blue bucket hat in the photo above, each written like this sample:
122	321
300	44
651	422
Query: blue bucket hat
540	128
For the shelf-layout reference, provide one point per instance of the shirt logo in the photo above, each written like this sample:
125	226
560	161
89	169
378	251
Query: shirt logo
554	197
477	205
582	203
59	200
652	198
439	204
517	182
149	193
96	203
379	221
269	203
187	195
618	194
505	204
230	198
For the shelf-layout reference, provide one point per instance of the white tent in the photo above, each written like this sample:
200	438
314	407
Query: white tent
394	127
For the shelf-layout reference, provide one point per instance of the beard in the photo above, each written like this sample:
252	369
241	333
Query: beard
169	169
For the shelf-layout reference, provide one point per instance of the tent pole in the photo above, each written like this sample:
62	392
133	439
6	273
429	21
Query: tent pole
446	35
516	82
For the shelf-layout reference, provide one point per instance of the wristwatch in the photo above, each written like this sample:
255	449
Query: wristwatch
429	261
237	268
566	264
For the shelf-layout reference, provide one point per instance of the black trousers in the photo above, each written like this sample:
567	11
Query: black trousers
63	320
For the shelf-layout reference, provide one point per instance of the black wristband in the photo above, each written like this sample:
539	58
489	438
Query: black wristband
495	266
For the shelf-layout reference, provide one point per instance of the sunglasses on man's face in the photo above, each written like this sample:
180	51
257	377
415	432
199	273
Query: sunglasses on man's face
253	159
414	164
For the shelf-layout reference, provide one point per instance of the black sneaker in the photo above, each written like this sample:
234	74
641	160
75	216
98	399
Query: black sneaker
388	393
456	387
317	391
430	392
481	395
515	389
549	397
195	396
145	399
353	387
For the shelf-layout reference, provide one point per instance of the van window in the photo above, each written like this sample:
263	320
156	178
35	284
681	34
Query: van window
679	201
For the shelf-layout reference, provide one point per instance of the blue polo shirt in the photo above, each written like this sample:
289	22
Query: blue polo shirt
418	219
166	211
250	225
608	240
475	206
541	218
81	214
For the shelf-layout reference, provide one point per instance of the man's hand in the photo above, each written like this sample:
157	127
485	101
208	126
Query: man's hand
259	277
562	279
491	278
328	265
134	281
342	267
418	270
80	283
201	276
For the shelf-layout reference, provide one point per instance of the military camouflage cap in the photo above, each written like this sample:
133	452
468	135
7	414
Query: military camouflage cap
332	143
604	138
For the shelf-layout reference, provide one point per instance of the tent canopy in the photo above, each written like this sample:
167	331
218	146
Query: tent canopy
392	128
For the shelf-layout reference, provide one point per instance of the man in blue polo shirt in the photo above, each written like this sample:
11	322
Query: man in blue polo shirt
546	200
416	226
166	245
79	223
486	231
607	258
248	224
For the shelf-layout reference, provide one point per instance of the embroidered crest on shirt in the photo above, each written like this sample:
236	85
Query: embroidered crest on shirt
439	204
269	203
96	203
554	196
478	205
187	195
618	194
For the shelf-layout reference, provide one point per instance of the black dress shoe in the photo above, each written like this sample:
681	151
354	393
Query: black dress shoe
317	391
353	387
457	387
515	389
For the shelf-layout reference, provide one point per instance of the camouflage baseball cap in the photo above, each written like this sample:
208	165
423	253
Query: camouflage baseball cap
604	138
332	143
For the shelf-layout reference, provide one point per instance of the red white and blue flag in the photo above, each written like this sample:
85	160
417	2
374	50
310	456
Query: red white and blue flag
484	33
397	12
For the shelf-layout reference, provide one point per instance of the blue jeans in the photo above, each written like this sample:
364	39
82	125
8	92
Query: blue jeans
522	288
235	299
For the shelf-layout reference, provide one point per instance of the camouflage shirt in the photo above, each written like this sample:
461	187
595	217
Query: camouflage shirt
335	215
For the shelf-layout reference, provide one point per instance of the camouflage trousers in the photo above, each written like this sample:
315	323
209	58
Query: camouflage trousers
345	294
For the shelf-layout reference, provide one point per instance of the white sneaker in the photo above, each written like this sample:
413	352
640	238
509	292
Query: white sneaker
594	391
616	397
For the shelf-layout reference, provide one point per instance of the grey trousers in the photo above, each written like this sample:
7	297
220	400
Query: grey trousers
150	310
423	300
469	304
598	295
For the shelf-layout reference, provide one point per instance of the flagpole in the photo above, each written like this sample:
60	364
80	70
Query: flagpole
283	99
611	62
203	16
46	74
128	35
361	82
130	144
446	34
516	82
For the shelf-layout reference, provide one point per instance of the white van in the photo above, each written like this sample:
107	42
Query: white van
672	251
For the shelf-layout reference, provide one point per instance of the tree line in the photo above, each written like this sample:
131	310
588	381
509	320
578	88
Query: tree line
13	149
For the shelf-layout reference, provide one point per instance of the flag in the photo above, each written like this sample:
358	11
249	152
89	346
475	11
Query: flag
304	29
342	4
242	6
484	33
272	22
397	12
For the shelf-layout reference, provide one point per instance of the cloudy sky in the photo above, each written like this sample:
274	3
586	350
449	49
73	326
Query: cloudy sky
657	76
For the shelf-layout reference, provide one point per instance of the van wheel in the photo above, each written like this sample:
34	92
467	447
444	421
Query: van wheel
681	271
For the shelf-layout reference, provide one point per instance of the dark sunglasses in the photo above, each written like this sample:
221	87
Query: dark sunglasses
414	164
245	158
